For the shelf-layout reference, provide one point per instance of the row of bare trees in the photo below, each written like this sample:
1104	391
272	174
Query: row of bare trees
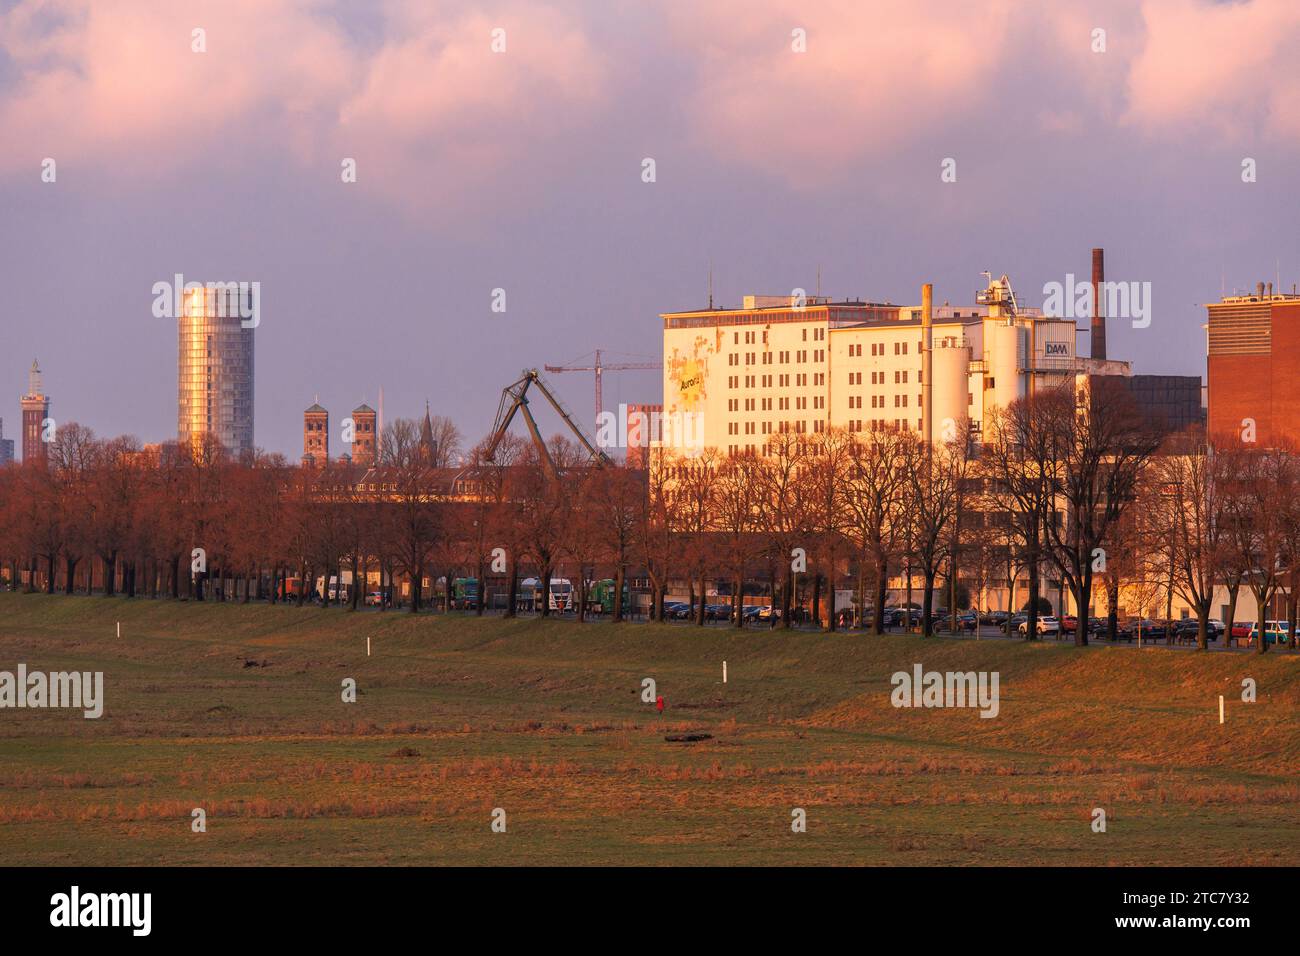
1067	482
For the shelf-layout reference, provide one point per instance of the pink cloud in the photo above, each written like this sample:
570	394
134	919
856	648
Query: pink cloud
1226	69
439	103
116	88
874	75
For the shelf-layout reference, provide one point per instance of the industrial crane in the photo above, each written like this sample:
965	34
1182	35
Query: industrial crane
514	398
598	368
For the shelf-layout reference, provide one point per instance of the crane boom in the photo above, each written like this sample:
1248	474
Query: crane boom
514	398
600	369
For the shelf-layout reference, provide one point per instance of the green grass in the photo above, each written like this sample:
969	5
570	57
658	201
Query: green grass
457	716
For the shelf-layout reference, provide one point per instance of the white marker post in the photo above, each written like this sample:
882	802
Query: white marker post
1220	708
724	672
119	628
367	647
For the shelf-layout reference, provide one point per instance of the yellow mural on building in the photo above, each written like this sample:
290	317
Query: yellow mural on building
689	376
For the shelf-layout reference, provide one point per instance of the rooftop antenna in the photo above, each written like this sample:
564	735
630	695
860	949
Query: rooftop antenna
819	280
710	283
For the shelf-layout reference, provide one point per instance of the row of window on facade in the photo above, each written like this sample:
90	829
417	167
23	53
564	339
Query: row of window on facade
766	404
881	424
782	381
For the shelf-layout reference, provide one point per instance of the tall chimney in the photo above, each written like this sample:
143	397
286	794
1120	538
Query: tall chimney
927	388
1098	334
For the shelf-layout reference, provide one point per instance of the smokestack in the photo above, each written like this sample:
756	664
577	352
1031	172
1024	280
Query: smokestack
1259	289
1098	334
927	387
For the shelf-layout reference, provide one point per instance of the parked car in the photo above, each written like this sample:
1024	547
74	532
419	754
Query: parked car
676	610
374	599
717	612
1275	632
893	616
994	618
1068	623
769	613
1189	628
966	621
1147	629
1018	619
1242	630
1100	627
1046	625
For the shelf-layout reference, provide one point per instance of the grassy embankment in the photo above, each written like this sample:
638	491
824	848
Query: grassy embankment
238	710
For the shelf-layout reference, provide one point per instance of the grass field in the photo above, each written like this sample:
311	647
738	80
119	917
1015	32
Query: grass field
238	710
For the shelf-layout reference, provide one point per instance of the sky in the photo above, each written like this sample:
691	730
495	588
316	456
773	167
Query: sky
523	169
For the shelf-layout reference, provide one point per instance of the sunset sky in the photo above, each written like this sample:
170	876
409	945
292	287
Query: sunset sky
522	170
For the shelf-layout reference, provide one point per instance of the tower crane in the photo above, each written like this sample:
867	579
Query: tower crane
599	369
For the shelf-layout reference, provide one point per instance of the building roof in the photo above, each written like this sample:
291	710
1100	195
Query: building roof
315	408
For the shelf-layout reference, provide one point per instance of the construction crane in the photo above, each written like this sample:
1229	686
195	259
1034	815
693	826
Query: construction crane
514	398
598	368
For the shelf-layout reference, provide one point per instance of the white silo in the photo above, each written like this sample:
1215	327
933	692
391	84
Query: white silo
1005	344
951	370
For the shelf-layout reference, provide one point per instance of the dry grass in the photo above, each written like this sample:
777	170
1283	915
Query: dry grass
459	716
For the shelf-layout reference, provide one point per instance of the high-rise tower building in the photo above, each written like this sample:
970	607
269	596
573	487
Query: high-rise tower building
36	409
364	436
315	436
215	369
6	447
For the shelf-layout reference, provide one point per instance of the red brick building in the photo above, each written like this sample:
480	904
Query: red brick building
1253	374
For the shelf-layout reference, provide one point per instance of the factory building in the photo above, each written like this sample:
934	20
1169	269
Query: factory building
784	364
1252	365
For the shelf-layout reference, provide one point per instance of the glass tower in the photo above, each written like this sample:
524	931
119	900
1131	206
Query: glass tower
215	370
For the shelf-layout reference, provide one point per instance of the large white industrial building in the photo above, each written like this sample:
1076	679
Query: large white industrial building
780	363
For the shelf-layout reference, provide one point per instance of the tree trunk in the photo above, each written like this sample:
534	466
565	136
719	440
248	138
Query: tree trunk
481	601
1261	611
512	598
619	577
1232	612
927	603
882	584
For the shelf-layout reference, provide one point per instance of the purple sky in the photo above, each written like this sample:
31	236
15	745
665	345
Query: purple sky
522	170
